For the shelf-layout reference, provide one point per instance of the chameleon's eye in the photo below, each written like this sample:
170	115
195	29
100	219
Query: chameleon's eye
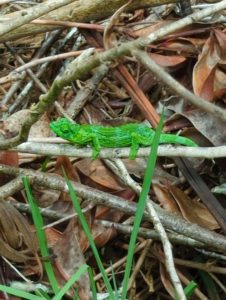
65	128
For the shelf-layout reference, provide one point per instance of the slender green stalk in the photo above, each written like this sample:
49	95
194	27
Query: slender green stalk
89	237
141	205
114	283
211	288
38	222
92	284
190	288
19	293
70	282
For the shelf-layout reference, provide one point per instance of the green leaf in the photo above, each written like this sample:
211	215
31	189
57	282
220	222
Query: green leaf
38	222
141	205
19	293
89	236
92	284
70	282
210	285
189	289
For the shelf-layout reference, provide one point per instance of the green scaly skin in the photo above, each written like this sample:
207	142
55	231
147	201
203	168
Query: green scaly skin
133	135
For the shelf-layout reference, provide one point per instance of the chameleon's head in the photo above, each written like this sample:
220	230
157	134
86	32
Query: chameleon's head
64	128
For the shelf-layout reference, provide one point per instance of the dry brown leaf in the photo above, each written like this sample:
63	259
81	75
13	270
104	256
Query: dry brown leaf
64	163
210	127
12	254
8	227
95	113
148	29
166	281
53	236
159	255
175	200
219	84
9	158
178	45
206	83
167	61
109	40
204	69
101	235
18	240
98	173
70	257
165	198
186	45
59	201
41	128
44	196
192	210
14	122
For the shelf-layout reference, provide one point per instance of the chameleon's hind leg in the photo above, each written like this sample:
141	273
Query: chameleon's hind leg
137	141
95	146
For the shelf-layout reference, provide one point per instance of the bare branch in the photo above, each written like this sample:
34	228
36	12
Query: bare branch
170	221
30	14
163	150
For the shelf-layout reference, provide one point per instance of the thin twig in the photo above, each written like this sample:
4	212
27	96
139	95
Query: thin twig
170	221
32	13
119	262
119	169
80	67
176	239
124	175
48	59
139	263
70	150
11	188
170	267
151	65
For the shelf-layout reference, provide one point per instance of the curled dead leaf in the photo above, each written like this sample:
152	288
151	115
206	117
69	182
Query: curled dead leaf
175	200
192	210
17	241
208	80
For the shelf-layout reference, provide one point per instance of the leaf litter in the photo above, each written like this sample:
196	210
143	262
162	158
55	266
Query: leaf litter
195	56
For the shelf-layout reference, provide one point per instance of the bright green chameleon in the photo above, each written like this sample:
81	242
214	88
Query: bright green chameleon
133	135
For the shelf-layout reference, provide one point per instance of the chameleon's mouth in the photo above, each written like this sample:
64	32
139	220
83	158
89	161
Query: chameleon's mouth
52	125
54	128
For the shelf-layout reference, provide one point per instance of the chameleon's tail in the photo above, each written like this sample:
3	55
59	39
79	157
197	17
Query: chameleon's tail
176	139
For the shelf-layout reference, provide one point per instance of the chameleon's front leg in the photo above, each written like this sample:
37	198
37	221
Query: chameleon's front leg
95	146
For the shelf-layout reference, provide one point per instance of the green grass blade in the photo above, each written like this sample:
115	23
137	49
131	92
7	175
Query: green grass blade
43	294
89	236
19	293
38	222
114	283
189	289
141	205
92	284
45	163
76	297
210	285
70	282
